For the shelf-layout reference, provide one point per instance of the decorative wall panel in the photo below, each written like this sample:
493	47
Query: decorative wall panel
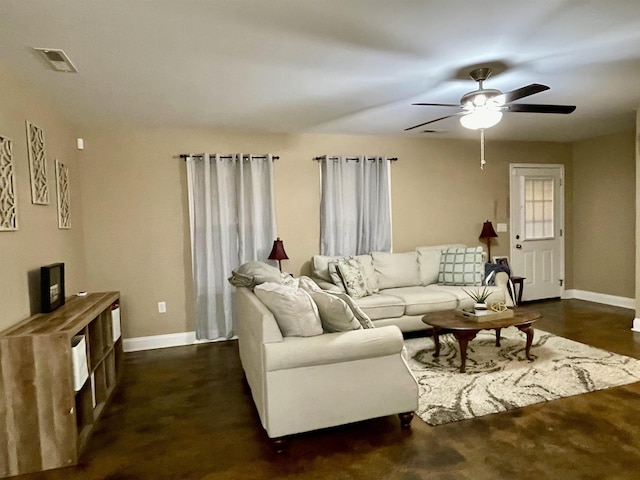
8	199
37	165
62	188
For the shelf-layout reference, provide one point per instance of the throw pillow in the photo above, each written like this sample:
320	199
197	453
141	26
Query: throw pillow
251	274
293	308
335	275
461	266
362	317
335	314
369	272
352	274
308	284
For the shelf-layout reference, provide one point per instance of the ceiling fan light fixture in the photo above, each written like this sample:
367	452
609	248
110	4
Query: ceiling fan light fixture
481	118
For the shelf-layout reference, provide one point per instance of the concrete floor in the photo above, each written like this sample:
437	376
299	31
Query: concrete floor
186	413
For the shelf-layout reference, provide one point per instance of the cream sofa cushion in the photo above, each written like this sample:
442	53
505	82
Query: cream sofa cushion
335	314
396	269
420	300
293	308
429	261
381	305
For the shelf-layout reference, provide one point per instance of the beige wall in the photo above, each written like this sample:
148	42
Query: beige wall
604	214
136	218
38	241
129	194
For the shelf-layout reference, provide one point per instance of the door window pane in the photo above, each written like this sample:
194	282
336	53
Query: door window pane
538	208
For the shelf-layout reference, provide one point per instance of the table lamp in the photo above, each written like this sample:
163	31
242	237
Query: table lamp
488	232
277	252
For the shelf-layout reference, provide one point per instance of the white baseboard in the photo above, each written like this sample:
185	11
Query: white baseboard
163	341
604	298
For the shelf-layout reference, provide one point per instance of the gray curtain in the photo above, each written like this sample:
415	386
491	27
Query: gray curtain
355	208
232	221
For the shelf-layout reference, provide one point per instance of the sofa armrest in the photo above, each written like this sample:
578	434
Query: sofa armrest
329	348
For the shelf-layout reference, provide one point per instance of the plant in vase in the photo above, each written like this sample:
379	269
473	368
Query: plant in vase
479	298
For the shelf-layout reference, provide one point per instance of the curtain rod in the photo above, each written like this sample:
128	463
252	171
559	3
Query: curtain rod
392	159
184	156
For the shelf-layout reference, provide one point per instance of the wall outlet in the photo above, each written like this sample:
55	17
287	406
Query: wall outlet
501	227
162	307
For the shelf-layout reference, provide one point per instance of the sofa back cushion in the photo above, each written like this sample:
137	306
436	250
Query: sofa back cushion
461	266
429	262
335	314
396	269
293	308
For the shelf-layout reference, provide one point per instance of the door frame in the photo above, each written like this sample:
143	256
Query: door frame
563	227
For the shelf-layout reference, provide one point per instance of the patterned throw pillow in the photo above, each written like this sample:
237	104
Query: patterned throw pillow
352	274
335	275
461	266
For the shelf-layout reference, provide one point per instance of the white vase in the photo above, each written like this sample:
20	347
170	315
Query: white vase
479	306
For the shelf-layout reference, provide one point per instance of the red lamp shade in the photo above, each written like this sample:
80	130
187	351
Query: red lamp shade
277	252
488	232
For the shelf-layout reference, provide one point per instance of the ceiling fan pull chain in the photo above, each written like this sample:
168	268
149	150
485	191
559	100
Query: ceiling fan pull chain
482	160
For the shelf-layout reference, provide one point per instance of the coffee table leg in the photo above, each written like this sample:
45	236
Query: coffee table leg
463	340
528	330
498	330
436	340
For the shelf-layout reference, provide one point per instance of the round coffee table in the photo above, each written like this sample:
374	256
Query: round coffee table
465	330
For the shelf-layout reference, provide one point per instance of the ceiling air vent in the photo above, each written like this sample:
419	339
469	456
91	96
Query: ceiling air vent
57	59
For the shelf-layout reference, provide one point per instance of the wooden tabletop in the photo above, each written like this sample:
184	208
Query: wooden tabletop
449	319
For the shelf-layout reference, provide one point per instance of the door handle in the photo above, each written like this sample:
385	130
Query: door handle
518	246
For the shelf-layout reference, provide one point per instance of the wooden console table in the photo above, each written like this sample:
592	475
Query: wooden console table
47	415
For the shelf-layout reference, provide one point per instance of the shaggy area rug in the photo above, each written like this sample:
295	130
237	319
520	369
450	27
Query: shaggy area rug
501	378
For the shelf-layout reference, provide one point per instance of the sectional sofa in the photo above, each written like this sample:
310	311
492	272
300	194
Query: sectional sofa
407	285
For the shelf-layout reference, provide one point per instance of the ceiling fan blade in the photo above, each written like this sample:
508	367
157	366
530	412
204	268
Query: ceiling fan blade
519	93
438	104
535	108
432	121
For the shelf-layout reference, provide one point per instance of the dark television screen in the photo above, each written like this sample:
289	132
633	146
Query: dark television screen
52	286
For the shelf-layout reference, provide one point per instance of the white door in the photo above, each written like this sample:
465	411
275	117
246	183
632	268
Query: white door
537	224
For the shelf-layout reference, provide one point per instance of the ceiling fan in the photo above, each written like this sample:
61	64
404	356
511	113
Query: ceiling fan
483	108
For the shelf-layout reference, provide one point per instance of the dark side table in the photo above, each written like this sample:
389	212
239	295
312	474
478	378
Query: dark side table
520	282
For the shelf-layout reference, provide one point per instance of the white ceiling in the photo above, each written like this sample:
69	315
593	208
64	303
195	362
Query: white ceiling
329	66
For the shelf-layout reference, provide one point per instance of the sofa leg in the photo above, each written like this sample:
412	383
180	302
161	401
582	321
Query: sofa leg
405	419
279	444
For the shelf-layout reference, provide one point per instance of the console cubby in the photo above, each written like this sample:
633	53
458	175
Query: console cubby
38	387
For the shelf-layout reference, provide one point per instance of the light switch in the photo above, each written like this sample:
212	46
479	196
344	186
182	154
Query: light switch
502	227
162	307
